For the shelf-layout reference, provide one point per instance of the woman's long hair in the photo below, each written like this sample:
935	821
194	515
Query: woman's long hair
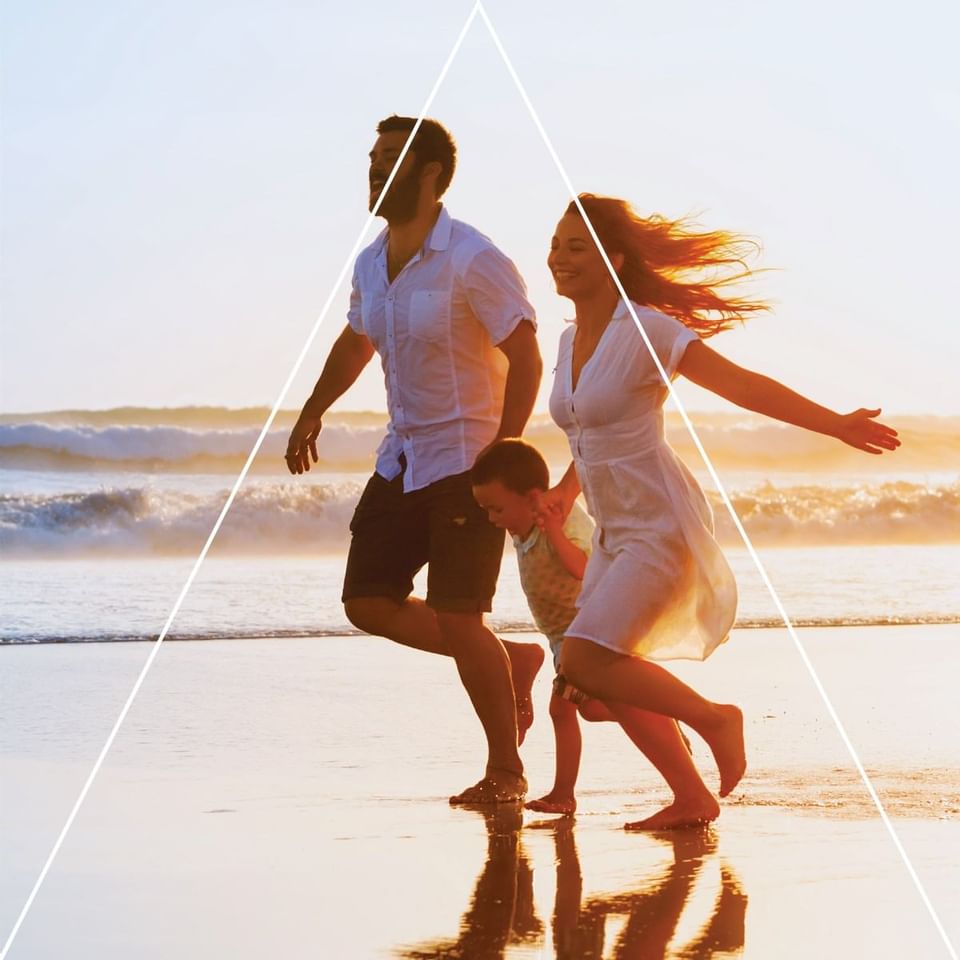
672	266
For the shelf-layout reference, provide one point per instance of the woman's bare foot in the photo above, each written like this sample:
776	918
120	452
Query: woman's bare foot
726	741
498	786
553	802
525	661
680	815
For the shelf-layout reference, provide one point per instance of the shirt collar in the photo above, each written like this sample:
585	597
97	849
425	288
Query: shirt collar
618	314
439	236
437	239
523	544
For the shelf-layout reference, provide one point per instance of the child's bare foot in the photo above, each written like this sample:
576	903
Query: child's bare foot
553	802
525	660
498	786
680	815
726	742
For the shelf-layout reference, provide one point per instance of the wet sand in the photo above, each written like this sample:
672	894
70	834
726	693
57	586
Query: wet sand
287	798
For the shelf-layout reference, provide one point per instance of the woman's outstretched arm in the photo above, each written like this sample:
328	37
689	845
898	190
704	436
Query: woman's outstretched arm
753	391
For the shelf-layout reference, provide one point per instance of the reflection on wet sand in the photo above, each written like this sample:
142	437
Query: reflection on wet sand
640	922
651	910
502	908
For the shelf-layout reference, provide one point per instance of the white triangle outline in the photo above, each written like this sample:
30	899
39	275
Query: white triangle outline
478	9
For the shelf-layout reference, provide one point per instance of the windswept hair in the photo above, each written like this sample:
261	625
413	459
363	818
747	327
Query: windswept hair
673	266
518	465
433	142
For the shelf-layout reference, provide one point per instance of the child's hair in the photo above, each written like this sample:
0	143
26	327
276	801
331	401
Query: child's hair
515	463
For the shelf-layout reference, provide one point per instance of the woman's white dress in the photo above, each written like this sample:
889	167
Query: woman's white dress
657	584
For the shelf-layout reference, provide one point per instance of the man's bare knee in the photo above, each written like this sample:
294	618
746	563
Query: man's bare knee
370	614
455	627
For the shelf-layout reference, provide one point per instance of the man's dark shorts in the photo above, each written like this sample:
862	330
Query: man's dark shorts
395	533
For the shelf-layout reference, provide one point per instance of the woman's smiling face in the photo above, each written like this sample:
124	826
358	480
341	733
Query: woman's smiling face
574	261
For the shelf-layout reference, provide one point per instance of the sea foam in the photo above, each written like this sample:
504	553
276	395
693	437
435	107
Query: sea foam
306	516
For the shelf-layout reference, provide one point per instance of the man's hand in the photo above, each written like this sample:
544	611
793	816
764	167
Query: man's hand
861	430
348	356
302	444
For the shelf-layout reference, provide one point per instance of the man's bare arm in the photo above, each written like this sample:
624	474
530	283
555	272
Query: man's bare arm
523	379
350	353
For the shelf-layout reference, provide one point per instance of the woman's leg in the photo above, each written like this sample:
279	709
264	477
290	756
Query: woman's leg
659	739
616	678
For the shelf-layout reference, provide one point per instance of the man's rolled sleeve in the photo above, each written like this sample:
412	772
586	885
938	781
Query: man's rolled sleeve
354	313
496	293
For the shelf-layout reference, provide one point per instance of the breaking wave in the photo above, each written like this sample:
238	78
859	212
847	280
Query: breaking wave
217	440
264	518
313	517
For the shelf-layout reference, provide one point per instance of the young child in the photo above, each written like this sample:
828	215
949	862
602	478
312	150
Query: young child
508	480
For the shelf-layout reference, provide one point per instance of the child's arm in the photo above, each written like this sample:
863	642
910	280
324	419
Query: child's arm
550	520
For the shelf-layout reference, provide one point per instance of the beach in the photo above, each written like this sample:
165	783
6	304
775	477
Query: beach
287	797
280	785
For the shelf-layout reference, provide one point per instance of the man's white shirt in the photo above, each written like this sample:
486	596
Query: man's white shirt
436	328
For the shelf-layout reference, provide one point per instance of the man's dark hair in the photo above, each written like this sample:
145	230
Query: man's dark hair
432	143
516	464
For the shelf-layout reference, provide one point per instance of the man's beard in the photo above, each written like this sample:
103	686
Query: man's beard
400	203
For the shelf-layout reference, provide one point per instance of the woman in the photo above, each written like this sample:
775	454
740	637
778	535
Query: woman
657	585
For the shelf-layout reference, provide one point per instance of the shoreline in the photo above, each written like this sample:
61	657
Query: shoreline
335	633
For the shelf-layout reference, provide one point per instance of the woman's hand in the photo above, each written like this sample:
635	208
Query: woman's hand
550	515
860	430
561	497
753	391
553	505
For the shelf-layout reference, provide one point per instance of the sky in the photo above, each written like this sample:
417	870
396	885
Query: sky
182	183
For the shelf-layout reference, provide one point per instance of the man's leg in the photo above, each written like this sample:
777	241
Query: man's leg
410	622
465	554
393	536
414	624
484	669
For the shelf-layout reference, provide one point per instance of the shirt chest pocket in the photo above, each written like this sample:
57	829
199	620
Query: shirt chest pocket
429	317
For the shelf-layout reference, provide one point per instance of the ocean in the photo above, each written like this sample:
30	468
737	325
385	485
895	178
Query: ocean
102	514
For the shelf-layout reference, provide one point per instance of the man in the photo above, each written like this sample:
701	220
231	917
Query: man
448	314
